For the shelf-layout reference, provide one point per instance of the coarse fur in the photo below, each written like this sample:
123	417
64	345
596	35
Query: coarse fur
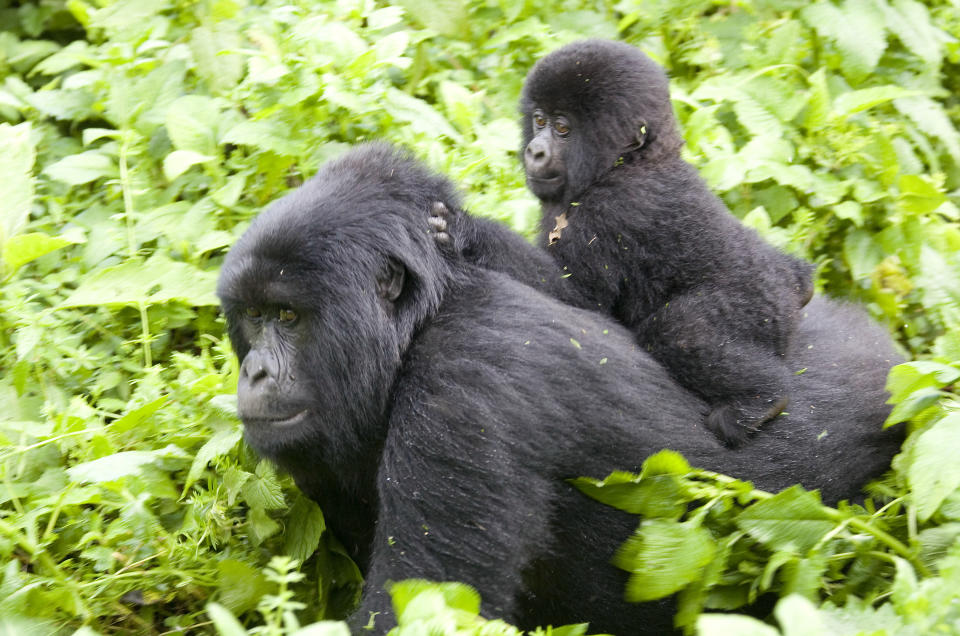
645	239
436	409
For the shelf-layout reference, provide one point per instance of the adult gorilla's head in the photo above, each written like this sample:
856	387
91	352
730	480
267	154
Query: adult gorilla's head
585	107
320	343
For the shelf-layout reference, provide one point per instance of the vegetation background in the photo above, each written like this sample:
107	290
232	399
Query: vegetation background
137	139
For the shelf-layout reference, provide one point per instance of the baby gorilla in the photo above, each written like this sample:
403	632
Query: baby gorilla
642	238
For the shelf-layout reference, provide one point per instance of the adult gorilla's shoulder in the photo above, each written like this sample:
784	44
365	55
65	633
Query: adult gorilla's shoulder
436	409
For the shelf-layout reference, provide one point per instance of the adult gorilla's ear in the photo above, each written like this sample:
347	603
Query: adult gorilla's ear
391	279
641	136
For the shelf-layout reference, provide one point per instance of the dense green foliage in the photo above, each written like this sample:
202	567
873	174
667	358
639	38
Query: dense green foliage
139	136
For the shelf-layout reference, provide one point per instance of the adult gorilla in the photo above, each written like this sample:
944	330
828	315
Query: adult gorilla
435	409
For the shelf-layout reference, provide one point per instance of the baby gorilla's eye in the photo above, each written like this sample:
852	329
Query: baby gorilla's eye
539	120
252	312
287	315
562	128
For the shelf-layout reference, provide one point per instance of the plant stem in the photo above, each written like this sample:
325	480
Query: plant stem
132	243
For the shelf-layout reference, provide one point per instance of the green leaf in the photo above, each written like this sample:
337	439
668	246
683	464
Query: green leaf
910	21
220	444
305	525
191	123
930	117
16	178
156	281
447	17
793	520
799	617
217	62
730	624
83	168
911	406
263	136
240	586
420	115
655	496
933	471
179	161
663	557
860	100
138	415
225	622
20	250
416	599
115	466
858	29
918	195
263	489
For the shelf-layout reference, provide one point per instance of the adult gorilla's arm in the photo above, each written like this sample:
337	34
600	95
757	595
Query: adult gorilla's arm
494	246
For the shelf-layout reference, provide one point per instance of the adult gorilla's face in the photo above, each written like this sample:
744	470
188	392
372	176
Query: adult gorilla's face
317	342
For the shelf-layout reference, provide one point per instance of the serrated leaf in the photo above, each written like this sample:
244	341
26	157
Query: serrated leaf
220	444
82	168
792	521
113	466
447	17
863	99
263	489
263	136
930	117
918	195
138	415
305	525
651	497
216	61
663	558
910	22
933	471
260	526
858	29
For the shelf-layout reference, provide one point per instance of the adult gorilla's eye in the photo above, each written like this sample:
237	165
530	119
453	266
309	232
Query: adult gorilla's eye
252	312
562	128
287	315
539	121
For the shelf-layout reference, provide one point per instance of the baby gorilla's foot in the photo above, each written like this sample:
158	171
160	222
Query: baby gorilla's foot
733	424
439	213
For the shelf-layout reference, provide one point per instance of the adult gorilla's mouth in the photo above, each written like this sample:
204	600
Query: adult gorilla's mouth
277	422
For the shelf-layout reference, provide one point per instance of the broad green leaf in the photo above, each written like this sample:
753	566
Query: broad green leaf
225	622
730	624
220	444
192	122
799	617
305	526
448	17
179	161
792	520
263	490
239	585
118	465
416	599
260	526
918	195
217	62
20	250
862	253
263	136
663	557
419	114
16	178
933	471
82	168
325	628
138	415
913	405
656	496
818	101
850	210
156	281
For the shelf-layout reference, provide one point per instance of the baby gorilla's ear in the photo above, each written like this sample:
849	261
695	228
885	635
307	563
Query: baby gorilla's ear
391	279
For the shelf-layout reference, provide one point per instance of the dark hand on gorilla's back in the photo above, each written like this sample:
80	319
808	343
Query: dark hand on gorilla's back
643	237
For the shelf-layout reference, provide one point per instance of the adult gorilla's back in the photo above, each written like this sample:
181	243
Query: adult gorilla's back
435	409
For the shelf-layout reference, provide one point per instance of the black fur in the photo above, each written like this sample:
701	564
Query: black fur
647	241
435	409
